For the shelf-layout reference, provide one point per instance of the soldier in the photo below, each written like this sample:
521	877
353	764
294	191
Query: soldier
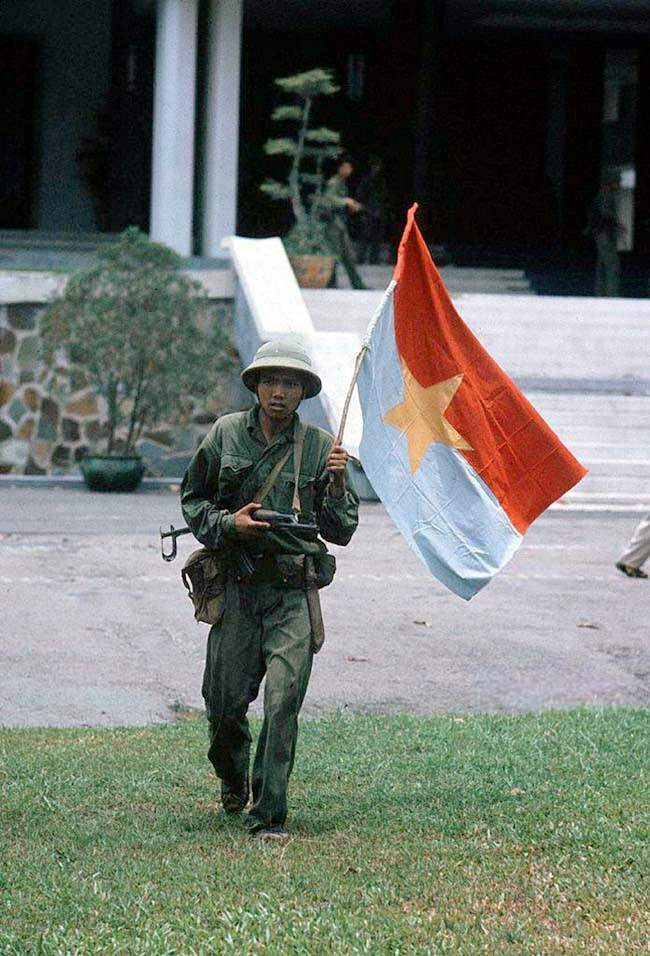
265	626
340	203
372	194
605	229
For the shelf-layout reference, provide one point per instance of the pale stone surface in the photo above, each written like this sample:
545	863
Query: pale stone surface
14	451
270	305
530	336
83	407
27	288
97	629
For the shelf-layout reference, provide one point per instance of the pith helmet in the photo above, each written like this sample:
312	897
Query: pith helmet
285	353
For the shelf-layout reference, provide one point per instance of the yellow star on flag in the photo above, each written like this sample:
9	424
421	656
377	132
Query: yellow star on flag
420	416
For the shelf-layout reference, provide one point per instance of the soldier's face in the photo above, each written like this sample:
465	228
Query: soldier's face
280	393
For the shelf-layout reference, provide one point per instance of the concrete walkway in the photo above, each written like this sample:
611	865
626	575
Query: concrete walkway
97	629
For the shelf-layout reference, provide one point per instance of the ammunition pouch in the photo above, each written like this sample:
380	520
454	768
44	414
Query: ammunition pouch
292	569
205	572
325	565
204	575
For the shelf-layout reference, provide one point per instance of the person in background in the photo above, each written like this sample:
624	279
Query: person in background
637	551
373	196
340	204
605	229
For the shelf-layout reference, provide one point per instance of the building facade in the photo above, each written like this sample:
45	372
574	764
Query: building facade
498	116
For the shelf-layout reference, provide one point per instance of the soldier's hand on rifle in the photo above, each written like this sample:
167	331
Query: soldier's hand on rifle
336	464
246	525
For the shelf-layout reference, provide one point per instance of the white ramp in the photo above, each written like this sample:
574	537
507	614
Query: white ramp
268	304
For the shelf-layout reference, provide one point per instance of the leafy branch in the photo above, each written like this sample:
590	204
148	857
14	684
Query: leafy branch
308	149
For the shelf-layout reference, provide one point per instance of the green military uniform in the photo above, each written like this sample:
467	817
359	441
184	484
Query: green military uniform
265	625
336	192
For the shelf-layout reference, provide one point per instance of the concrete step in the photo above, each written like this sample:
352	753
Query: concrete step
593	341
38	239
458	279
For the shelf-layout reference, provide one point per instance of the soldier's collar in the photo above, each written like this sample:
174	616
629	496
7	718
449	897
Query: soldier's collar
253	425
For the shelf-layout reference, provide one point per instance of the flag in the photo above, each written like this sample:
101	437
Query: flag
460	458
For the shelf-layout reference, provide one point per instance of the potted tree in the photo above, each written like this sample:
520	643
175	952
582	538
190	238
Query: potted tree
134	323
308	148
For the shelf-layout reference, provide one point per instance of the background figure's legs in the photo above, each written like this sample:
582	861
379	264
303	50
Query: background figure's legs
344	250
637	551
613	274
608	268
288	656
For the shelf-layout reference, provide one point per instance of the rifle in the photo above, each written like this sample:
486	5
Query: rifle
279	521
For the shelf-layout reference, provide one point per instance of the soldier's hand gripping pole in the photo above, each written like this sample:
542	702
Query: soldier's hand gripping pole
173	533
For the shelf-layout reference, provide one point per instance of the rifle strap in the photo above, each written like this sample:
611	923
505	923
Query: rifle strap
273	477
298	445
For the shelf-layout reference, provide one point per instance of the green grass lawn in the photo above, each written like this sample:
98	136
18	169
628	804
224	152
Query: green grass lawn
478	834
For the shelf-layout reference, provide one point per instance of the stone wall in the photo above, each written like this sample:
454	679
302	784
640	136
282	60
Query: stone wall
50	417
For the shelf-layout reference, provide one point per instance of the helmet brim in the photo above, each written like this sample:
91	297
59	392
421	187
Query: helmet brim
250	374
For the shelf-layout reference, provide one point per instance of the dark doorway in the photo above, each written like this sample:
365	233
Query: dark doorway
375	119
17	106
497	130
129	119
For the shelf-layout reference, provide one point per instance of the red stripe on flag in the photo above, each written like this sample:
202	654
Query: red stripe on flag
515	452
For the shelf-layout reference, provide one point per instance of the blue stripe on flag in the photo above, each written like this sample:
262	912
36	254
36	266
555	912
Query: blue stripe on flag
446	512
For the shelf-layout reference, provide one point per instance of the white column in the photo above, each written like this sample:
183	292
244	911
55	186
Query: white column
221	123
172	177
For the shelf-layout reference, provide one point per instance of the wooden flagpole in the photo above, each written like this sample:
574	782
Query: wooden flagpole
348	397
359	359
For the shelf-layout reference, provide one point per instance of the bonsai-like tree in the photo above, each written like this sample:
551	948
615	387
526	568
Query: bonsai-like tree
135	323
307	148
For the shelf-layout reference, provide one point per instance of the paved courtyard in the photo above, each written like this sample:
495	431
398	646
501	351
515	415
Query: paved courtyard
96	628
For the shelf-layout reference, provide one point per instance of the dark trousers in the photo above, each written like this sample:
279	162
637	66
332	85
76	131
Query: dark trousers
608	267
344	251
264	629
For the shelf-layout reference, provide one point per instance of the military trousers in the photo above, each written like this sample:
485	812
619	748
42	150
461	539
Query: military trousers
264	630
344	250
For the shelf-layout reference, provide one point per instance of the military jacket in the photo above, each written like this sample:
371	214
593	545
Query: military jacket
336	193
231	465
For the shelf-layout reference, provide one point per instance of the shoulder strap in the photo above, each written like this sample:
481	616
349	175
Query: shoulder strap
273	477
298	445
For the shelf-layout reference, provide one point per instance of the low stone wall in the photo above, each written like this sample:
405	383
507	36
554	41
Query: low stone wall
50	417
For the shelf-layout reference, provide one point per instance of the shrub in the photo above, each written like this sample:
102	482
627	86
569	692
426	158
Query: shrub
137	325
